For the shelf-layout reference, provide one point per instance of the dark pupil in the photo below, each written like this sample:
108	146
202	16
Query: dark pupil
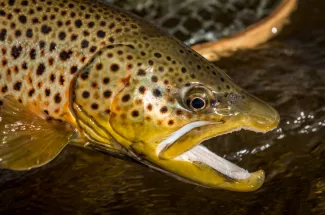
197	103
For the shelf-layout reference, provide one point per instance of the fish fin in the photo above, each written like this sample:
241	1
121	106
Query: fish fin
26	140
109	149
113	152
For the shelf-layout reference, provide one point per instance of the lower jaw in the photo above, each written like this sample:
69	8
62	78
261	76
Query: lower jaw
200	154
229	175
191	167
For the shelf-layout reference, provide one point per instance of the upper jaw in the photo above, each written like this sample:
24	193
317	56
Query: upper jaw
260	117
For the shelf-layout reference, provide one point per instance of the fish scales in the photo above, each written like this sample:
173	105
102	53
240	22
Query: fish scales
45	43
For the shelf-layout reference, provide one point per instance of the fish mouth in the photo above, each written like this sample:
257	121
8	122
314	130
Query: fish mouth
196	163
201	155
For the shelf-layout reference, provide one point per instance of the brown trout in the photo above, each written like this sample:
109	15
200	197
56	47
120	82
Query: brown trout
82	72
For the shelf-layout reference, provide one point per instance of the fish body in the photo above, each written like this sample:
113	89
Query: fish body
88	72
45	43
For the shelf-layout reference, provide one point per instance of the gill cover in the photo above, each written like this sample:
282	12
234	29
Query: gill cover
93	92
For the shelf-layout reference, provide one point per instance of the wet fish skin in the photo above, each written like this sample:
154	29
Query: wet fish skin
122	83
45	43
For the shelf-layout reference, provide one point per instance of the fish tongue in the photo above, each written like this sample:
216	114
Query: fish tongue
205	156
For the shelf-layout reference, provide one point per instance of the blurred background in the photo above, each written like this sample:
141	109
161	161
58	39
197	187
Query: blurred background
288	72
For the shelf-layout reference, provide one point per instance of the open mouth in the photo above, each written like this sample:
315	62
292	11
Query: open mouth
200	154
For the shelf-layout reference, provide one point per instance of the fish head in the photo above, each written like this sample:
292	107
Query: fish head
163	103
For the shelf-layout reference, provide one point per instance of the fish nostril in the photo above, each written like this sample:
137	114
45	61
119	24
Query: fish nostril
214	102
233	98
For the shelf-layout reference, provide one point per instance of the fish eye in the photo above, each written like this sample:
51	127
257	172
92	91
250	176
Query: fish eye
197	98
196	103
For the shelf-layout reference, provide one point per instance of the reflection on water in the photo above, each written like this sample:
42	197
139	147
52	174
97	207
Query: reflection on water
288	72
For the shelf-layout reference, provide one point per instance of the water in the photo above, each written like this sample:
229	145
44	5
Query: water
193	21
288	72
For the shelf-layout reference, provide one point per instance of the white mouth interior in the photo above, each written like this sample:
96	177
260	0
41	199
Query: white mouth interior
202	154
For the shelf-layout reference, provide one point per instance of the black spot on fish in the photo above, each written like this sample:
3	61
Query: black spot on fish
141	72
94	106
157	93
47	92
164	109
40	69
78	23
64	55
4	89
46	29
99	66
142	89
73	69
107	94
92	49
106	80
61	80
62	35
2	13
31	92
18	33
52	77
24	66
126	98
84	75
29	33
74	37
91	24
149	107
15	51
115	67
154	79
101	34
3	34
17	86
85	94
22	19
52	46
32	54
157	55
41	44
57	98
135	113
84	44
11	2
24	3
